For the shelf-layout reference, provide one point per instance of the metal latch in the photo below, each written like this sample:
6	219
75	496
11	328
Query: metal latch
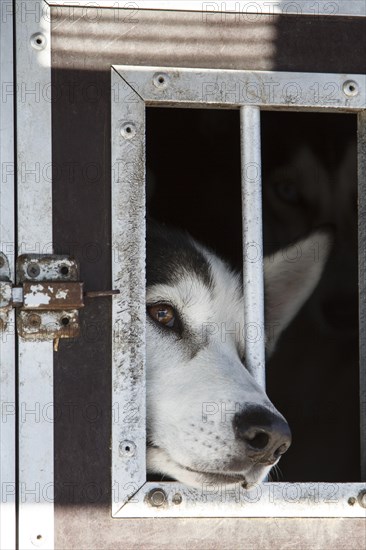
47	296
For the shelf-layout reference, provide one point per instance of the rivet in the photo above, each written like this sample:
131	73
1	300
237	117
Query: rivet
128	130
351	501
177	498
33	270
156	497
34	320
161	80
350	88
38	41
362	498
127	448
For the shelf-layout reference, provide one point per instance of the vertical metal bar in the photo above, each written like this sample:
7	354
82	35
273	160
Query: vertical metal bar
7	341
128	308
362	280
252	241
34	187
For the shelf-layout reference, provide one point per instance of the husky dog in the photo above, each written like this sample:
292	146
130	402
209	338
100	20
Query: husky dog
208	421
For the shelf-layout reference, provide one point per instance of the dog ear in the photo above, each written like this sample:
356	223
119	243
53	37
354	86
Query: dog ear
290	277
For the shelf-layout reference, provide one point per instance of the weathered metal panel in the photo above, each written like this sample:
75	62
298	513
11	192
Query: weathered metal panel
34	209
52	295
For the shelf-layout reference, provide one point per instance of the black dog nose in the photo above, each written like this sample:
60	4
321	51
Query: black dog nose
266	435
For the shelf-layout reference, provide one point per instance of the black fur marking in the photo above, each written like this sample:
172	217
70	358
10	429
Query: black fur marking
170	253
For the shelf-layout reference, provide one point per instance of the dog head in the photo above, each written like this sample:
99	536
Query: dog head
208	421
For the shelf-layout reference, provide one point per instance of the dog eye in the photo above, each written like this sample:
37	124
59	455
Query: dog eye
287	191
163	314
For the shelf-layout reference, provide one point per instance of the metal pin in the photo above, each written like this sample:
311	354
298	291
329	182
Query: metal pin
100	293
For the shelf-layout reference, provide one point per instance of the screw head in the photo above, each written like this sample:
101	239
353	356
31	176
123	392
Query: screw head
34	320
128	130
33	270
350	88
177	498
156	497
361	497
38	41
127	448
161	80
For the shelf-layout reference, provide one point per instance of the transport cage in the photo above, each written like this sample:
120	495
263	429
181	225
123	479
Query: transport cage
76	82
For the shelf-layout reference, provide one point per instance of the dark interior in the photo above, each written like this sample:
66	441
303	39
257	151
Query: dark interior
309	165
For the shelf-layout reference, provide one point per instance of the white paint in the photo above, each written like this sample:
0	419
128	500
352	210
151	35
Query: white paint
61	294
36	297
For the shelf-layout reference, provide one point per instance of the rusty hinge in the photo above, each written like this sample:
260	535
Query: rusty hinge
47	296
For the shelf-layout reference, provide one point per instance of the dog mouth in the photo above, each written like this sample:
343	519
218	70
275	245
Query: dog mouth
159	461
219	477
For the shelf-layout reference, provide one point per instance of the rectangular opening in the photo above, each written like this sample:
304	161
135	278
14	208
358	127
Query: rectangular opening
309	164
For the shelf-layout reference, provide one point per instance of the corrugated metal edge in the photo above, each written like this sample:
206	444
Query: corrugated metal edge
7	341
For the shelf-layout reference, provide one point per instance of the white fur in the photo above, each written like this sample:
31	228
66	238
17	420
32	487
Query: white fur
194	387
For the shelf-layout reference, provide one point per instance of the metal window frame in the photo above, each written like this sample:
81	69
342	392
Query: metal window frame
134	89
354	8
